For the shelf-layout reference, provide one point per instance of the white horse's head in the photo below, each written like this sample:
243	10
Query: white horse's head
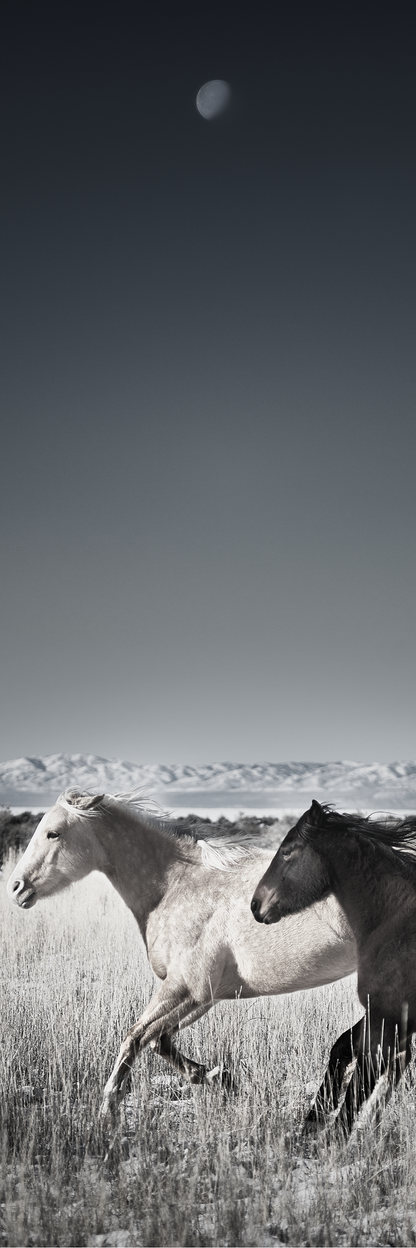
64	848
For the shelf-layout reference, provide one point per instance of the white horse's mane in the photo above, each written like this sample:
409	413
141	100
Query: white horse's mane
222	853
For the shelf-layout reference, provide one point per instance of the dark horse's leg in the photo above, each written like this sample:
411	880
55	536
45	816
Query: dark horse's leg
340	1068
365	1064
381	1061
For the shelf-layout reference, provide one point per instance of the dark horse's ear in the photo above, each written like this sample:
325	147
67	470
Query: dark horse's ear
311	818
82	800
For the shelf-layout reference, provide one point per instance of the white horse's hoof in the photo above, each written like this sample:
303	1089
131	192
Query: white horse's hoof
106	1110
212	1074
111	1102
222	1077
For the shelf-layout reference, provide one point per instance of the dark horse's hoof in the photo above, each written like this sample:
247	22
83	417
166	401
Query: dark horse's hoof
315	1121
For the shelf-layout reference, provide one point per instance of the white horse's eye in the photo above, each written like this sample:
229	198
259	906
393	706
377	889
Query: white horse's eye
52	836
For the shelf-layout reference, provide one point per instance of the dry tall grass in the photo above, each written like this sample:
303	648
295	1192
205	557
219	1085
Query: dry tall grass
193	1167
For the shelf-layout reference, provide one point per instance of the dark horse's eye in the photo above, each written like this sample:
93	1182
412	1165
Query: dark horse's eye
287	853
52	836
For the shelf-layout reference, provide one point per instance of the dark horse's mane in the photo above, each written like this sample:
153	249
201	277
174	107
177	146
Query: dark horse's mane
396	837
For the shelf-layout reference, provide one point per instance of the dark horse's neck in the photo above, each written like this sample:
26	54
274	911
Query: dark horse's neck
366	878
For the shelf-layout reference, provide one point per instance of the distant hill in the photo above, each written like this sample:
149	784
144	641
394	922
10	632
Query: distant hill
37	780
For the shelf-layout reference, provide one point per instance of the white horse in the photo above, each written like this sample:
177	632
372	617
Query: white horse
191	900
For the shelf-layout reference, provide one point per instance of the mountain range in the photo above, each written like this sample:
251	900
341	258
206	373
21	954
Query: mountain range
37	780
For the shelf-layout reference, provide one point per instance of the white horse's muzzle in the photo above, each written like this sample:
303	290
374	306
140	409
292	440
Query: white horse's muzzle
20	893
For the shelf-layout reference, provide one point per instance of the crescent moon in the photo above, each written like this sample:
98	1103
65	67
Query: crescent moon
213	98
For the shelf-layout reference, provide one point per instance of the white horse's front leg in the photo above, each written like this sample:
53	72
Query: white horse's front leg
164	1015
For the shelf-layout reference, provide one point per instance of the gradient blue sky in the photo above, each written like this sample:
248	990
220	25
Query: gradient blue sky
208	382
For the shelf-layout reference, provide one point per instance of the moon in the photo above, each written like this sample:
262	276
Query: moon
213	98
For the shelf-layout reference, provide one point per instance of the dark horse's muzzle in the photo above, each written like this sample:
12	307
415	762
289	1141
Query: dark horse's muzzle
264	905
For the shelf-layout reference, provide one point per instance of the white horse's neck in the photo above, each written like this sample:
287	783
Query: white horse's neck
140	858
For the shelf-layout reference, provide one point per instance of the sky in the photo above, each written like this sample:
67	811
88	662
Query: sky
207	382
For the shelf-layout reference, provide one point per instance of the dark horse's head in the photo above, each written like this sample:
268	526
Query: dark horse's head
297	876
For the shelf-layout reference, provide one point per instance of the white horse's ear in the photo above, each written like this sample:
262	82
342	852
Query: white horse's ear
81	800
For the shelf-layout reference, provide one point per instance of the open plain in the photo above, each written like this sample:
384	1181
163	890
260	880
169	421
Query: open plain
190	1166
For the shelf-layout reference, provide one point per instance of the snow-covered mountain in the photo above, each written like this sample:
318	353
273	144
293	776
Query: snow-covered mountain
178	784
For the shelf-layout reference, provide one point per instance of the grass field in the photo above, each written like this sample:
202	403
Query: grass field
193	1167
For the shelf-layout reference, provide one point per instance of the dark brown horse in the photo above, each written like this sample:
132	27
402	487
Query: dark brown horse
371	868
